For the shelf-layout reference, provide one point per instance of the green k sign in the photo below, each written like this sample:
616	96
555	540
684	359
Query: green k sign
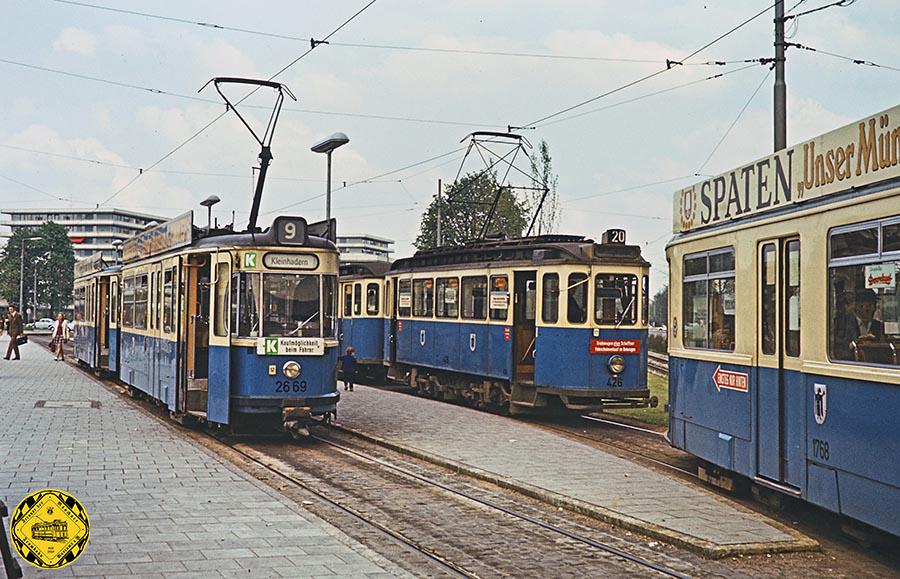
271	346
250	260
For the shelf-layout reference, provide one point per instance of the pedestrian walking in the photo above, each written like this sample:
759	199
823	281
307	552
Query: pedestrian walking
15	330
59	336
347	369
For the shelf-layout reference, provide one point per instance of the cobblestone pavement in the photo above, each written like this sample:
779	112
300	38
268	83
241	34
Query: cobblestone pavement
516	451
159	505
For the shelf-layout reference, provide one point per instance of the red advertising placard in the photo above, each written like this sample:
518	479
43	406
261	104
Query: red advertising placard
729	380
615	346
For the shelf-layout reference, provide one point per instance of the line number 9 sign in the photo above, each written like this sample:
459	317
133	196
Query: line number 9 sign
290	230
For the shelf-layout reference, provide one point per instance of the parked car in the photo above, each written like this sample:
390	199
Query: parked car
44	324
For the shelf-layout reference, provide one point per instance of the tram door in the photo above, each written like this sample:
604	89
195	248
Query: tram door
103	322
524	308
393	337
780	430
196	295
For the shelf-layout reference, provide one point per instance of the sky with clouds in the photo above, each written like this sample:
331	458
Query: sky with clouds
619	159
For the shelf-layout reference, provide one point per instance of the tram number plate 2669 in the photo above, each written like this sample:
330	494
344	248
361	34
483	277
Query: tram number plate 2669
820	449
290	386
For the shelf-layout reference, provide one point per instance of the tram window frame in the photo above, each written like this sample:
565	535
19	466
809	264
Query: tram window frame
881	347
372	298
793	262
128	302
404	289
357	299
386	296
768	298
348	300
423	298
577	287
645	299
245	284
141	297
221	309
168	326
473	306
280	308
498	287
627	286
447	308
328	285
113	303
714	271
550	298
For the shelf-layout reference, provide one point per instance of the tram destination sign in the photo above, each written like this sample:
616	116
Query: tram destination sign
852	156
172	234
291	260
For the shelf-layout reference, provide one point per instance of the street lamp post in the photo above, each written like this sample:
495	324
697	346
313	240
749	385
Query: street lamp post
327	146
22	270
208	203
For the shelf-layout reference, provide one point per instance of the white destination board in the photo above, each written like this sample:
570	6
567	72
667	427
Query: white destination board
270	346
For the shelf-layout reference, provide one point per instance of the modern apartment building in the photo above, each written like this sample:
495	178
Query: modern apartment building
91	230
364	247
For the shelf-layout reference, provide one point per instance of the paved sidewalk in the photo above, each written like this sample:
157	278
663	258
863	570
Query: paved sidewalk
159	505
541	463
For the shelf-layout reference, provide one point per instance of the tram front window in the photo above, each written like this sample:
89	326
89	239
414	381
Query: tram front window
245	304
291	305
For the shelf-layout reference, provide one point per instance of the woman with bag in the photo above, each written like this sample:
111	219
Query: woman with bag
59	336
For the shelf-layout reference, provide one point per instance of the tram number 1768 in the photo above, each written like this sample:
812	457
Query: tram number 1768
820	449
290	386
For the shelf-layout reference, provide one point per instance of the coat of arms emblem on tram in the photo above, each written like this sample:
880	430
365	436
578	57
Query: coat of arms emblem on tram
820	402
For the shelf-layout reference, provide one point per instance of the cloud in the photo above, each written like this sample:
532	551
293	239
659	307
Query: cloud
75	40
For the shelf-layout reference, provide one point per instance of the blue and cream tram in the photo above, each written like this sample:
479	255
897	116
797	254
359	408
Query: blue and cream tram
784	354
537	323
362	320
231	328
96	335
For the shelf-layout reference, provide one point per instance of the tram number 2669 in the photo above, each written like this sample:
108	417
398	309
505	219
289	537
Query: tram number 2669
290	386
820	449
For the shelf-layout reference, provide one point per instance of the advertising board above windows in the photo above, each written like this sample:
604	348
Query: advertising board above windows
852	156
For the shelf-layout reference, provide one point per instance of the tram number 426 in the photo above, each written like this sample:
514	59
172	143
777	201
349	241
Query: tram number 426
820	449
290	386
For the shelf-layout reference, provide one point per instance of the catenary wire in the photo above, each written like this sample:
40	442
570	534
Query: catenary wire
223	113
859	61
734	122
41	191
669	66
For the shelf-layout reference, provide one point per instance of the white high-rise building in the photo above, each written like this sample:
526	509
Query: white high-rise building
364	247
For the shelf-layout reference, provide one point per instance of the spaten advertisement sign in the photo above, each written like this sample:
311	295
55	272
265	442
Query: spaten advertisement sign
175	233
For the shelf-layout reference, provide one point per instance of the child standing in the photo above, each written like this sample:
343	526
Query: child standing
347	368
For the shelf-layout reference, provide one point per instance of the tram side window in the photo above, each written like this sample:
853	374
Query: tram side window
423	298
128	302
79	304
291	305
577	291
708	301
404	298
245	304
499	297
474	298
168	300
348	300
140	302
447	297
113	303
372	299
329	305
645	300
864	301
357	299
615	299
220	321
550	298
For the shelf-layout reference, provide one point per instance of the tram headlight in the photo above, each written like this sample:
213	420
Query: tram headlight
291	369
616	364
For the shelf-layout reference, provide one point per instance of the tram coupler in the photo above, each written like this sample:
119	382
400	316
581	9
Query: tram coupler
295	420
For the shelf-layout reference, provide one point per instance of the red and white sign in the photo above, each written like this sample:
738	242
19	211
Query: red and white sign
615	346
399	325
731	380
506	333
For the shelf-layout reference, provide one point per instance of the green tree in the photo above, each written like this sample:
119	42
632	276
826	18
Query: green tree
49	260
543	176
465	206
659	307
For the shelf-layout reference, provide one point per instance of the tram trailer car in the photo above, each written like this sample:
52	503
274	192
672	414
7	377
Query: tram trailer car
96	334
523	325
784	354
233	329
362	321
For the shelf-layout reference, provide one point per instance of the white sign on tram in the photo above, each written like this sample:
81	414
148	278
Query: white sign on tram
272	346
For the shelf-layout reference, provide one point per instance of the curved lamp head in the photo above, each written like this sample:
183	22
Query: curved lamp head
210	201
330	143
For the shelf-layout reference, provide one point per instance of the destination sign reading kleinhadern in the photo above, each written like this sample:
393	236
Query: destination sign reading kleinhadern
291	261
852	156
